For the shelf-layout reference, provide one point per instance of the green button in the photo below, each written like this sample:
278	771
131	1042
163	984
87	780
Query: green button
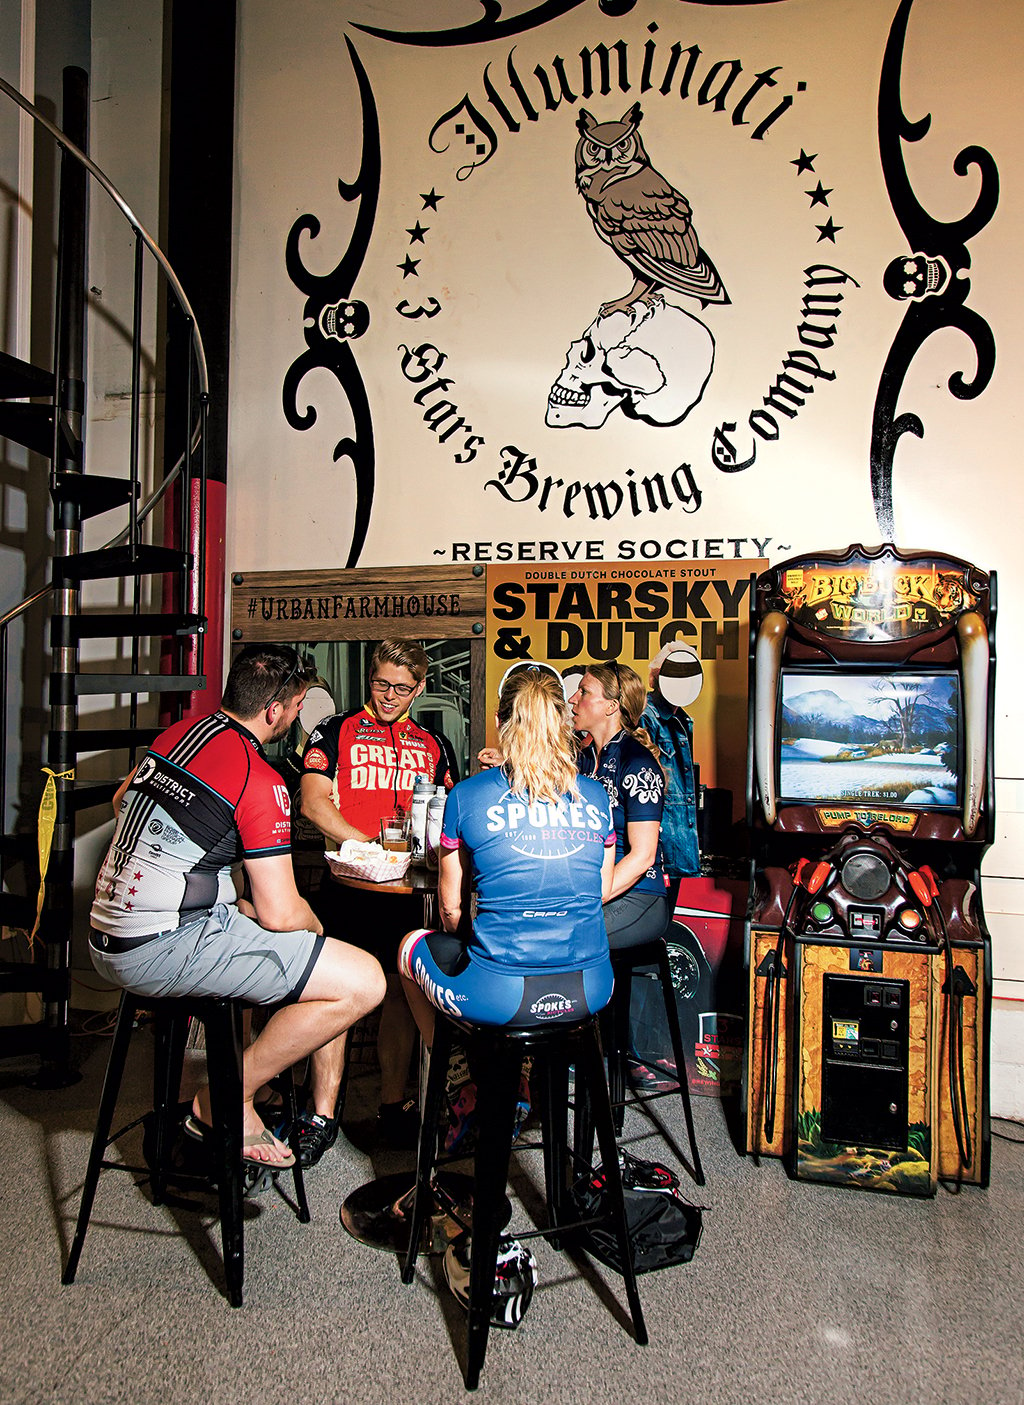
821	912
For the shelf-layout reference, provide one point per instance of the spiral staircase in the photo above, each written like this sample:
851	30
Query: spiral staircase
115	631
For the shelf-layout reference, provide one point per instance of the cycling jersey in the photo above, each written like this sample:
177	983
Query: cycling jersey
202	798
635	784
537	871
373	765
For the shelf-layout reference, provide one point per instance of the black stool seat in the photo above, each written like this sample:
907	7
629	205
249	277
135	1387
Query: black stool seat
496	1056
222	1020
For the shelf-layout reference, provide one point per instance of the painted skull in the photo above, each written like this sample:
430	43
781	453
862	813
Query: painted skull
915	277
342	320
652	366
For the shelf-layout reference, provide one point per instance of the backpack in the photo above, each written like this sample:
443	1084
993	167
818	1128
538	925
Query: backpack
663	1228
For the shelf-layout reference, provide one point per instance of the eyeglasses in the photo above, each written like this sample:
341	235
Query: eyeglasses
401	690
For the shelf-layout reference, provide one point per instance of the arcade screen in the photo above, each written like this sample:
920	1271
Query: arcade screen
870	738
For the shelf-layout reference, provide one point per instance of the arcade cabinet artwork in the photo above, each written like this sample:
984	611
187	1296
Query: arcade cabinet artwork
870	801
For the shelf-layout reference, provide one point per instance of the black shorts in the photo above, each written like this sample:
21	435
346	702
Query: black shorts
634	919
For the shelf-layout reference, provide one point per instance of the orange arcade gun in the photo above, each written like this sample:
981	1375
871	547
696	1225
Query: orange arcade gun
870	803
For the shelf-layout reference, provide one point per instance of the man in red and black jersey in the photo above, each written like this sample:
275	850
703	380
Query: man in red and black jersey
167	919
357	767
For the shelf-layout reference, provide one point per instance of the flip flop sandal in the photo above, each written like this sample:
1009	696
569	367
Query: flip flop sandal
265	1138
198	1130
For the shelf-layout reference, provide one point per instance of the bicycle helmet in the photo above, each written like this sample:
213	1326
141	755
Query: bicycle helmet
515	1277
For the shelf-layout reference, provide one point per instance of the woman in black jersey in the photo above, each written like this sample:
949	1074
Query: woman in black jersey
617	751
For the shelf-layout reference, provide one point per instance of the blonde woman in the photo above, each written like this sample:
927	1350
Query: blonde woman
535	839
617	751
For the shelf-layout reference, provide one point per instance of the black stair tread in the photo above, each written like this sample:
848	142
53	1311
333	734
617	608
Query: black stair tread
20	378
17	911
85	794
120	561
138	682
125	626
18	1040
94	493
32	425
113	738
18	846
32	975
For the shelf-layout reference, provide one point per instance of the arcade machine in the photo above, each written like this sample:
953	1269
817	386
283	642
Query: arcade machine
870	803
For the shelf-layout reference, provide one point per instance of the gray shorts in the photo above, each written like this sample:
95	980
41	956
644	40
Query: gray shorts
219	953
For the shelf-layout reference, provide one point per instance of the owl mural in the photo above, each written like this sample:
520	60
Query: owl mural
644	219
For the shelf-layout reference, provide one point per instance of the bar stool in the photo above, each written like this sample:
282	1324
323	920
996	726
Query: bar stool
222	1020
497	1053
615	1028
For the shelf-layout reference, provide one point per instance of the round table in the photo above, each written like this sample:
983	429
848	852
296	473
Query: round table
416	879
378	1213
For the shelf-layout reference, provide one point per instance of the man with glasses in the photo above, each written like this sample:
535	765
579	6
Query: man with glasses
357	767
167	919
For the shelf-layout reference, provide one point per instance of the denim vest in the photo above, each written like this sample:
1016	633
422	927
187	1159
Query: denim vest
671	730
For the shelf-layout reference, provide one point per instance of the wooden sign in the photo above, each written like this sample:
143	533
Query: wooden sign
396	602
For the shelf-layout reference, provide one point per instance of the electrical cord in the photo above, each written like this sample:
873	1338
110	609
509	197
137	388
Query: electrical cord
1003	1137
956	980
957	985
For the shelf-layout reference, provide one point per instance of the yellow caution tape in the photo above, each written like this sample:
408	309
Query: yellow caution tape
47	822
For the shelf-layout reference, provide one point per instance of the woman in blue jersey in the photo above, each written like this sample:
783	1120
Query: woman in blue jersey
536	842
617	751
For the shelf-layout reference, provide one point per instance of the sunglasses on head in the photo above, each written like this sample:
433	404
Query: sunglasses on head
613	664
525	664
298	668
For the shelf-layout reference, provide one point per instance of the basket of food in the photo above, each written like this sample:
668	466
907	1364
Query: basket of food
367	860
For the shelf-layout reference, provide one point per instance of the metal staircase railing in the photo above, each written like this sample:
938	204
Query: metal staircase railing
44	409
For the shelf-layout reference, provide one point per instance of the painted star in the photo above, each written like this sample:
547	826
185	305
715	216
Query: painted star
829	230
819	195
409	266
416	233
136	876
804	162
430	202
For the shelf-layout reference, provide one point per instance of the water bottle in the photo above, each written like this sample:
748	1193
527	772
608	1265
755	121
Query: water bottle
422	792
435	817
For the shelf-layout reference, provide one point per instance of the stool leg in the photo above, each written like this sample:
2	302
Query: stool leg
582	1121
617	1042
497	1092
170	1034
672	1015
224	1059
291	1107
554	1084
105	1116
593	1065
426	1152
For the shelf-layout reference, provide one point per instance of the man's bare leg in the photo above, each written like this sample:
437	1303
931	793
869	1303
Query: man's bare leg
344	985
326	1068
422	1010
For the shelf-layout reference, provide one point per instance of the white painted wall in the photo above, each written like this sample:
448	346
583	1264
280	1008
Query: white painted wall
513	261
